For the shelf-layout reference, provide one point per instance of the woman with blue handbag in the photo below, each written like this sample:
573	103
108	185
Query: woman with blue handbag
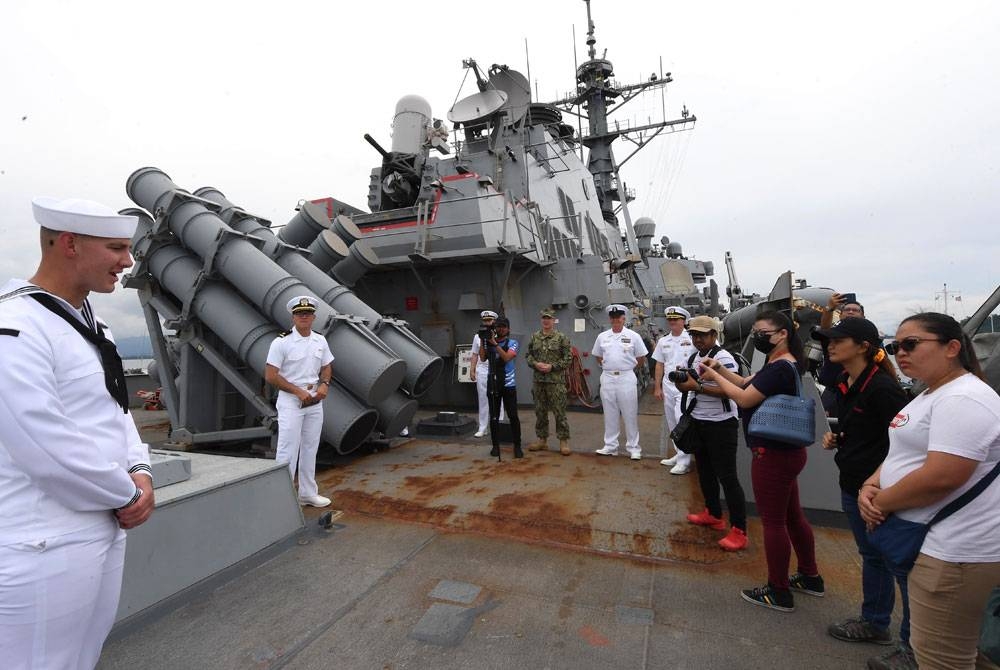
935	494
866	397
776	464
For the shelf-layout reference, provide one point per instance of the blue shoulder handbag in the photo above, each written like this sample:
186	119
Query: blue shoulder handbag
899	541
790	419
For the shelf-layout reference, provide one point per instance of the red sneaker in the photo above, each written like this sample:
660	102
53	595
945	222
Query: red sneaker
735	541
704	518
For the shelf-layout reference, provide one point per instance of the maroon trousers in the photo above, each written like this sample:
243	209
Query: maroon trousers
776	489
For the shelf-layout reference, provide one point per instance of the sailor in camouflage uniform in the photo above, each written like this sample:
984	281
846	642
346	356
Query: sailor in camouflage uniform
549	354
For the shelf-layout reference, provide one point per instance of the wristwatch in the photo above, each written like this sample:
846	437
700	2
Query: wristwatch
701	387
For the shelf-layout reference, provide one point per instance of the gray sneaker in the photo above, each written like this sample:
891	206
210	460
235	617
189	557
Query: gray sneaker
859	630
900	658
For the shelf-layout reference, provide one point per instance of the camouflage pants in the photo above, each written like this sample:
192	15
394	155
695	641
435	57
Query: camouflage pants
550	398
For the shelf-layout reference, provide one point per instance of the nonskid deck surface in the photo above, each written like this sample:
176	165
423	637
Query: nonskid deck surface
446	559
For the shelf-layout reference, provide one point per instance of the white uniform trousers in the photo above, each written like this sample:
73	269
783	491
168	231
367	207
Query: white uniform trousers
672	413
620	397
298	440
482	375
58	598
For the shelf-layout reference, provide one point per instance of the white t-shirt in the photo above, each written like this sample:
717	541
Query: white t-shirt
672	351
710	407
961	418
620	351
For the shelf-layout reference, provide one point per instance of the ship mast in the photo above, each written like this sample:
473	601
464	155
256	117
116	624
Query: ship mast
601	96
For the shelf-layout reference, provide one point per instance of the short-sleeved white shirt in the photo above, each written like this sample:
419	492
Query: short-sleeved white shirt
480	364
962	418
620	351
299	358
673	351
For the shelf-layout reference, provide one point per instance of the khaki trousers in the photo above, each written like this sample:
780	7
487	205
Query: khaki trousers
947	601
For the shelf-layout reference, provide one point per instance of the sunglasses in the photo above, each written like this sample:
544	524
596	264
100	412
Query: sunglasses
769	333
908	344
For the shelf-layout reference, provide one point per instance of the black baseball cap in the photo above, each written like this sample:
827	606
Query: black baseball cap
502	321
861	330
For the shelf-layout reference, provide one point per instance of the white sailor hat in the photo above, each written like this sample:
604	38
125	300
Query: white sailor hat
84	217
488	314
302	303
674	312
615	309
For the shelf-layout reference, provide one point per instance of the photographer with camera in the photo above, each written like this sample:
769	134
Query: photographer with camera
671	352
480	370
711	434
499	351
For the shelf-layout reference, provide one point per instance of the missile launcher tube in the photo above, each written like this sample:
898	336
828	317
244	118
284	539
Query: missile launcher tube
395	413
309	222
422	365
327	250
365	366
346	422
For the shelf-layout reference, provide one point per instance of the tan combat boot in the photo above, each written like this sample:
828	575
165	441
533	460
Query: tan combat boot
564	448
539	445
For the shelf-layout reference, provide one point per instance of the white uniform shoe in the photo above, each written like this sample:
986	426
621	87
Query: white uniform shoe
680	469
480	433
669	462
607	451
635	456
315	501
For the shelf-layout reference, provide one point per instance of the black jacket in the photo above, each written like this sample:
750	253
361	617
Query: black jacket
864	411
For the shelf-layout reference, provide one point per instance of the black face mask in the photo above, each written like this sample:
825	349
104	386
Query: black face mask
763	343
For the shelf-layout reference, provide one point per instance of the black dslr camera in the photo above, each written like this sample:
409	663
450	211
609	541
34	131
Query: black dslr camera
486	334
681	375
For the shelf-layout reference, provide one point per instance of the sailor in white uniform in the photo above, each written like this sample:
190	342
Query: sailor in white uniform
74	473
480	372
619	351
300	365
673	351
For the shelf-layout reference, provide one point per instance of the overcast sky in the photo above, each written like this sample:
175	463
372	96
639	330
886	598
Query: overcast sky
855	143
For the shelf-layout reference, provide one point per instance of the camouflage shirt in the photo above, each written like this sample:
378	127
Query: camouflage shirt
553	348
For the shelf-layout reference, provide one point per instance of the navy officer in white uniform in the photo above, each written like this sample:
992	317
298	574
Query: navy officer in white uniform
673	351
480	372
74	473
300	365
619	351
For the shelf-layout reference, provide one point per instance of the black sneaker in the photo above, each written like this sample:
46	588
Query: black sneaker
768	596
859	630
900	658
806	584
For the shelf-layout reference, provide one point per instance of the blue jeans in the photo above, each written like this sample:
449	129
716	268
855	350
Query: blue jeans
877	580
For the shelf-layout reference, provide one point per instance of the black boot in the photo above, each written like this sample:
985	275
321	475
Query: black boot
517	451
495	451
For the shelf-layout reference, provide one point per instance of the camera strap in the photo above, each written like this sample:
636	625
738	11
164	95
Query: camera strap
687	409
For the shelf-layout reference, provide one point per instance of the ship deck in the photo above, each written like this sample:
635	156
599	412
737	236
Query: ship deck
446	558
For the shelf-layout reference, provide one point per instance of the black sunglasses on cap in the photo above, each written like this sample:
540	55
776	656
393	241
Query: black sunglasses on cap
909	344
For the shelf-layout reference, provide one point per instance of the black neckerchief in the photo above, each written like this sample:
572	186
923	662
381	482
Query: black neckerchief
114	375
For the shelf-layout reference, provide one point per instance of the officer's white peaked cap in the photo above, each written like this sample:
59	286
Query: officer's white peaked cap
84	217
302	303
676	312
614	308
488	314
